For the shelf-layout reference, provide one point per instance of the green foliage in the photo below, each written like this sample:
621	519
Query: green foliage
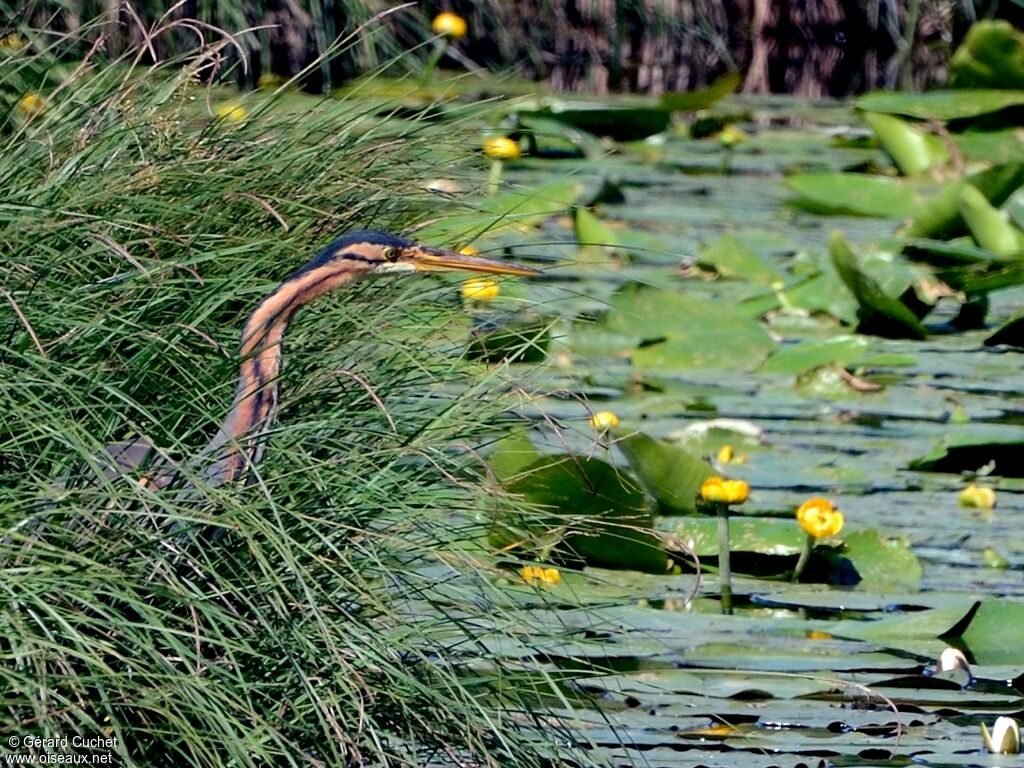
991	56
304	615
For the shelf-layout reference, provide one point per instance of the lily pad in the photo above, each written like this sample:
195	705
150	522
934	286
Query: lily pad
671	474
940	215
884	563
597	511
730	258
762	535
941	105
622	123
797	358
690	101
853	193
881	313
967	450
994	634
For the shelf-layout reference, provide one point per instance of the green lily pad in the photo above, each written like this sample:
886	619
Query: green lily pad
625	123
853	193
597	511
691	101
994	634
669	473
730	258
511	455
661	323
508	210
884	563
970	449
941	105
553	137
881	313
761	535
797	358
933	623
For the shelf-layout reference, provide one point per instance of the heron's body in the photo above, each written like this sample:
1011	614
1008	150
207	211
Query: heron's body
238	443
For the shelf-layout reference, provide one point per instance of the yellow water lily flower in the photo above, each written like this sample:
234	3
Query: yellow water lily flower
234	113
501	148
12	42
978	497
469	250
819	517
451	25
480	289
718	489
603	420
534	574
1005	736
731	135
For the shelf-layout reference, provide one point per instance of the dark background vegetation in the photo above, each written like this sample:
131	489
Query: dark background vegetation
807	47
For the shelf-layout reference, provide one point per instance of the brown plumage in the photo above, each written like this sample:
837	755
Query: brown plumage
239	442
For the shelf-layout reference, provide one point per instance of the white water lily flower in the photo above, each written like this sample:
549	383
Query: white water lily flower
1005	737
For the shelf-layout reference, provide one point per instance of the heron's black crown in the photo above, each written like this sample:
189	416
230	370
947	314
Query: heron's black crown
338	247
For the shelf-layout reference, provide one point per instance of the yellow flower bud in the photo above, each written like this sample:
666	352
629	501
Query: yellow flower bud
722	491
449	24
977	497
480	289
819	517
501	148
469	250
730	136
234	113
31	104
12	42
603	420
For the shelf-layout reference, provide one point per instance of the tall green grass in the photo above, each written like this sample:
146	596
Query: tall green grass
347	613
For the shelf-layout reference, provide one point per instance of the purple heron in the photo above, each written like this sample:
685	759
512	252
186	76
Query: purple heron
238	443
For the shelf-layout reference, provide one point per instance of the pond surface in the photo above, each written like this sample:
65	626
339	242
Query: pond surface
801	674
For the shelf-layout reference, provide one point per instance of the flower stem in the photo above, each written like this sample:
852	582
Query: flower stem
494	178
724	564
805	557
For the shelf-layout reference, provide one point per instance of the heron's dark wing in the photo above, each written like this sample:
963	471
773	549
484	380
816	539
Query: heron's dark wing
137	457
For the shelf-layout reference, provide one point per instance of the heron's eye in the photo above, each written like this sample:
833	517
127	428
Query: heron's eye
390	253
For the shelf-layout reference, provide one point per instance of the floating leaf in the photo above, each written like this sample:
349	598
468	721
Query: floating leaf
663	324
994	634
622	123
554	137
853	193
761	535
671	474
968	450
600	512
794	359
884	563
691	101
883	314
730	258
941	105
511	455
516	209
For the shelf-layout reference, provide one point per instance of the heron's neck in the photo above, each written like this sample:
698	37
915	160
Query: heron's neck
239	442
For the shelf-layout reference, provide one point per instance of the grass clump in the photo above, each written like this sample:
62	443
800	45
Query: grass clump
347	610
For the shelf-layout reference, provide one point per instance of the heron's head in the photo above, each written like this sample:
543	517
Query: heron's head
368	252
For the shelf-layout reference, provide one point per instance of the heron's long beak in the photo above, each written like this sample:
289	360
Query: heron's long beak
425	259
